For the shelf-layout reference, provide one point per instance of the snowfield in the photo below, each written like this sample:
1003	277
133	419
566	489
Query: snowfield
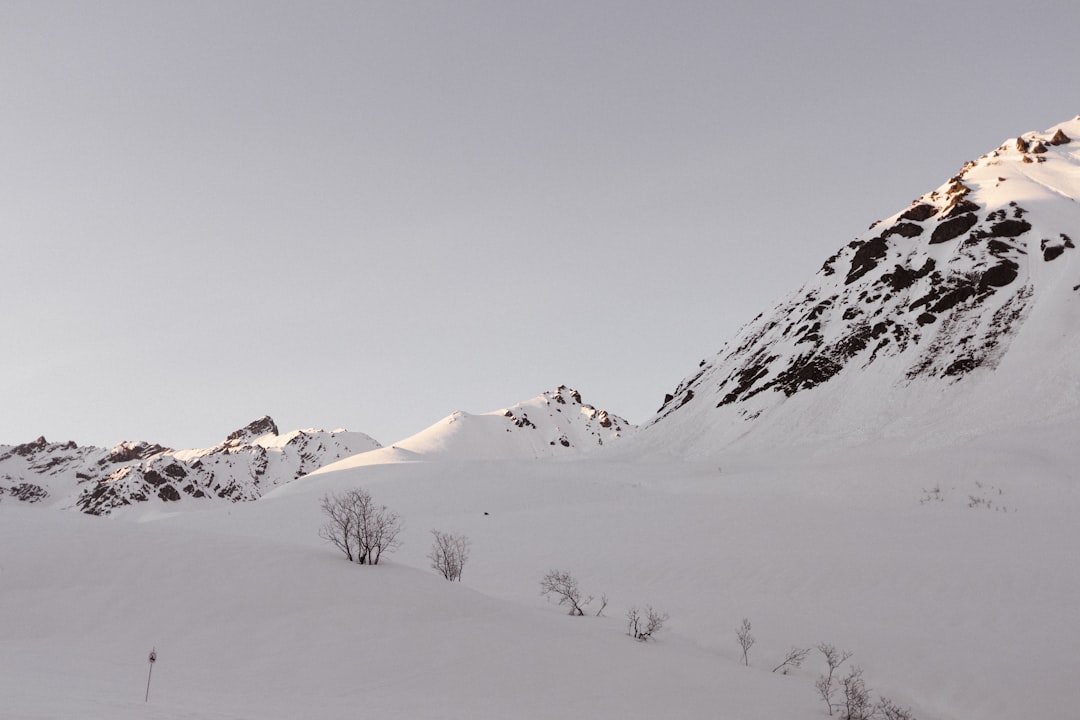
949	572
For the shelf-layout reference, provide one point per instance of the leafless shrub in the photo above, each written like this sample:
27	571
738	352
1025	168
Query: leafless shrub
746	640
793	660
448	554
358	527
564	587
857	705
825	684
642	627
603	604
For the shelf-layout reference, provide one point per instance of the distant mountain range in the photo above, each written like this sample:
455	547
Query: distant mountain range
257	458
959	313
98	481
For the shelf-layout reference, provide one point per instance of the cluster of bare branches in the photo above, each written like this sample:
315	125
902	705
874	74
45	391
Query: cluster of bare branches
358	527
448	554
854	697
643	626
564	587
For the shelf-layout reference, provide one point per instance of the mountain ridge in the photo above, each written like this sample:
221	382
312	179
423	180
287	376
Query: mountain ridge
931	299
99	481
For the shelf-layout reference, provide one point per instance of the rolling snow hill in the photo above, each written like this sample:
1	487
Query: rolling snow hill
957	314
553	424
97	481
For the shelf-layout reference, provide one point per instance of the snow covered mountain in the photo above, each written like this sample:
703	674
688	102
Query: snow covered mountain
957	314
553	424
97	481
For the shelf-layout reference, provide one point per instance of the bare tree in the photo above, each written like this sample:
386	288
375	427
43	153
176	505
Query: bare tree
642	627
746	640
857	705
448	554
563	586
825	683
603	604
339	528
358	527
793	659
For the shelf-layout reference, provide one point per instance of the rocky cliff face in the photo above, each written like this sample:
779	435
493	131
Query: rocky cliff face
935	295
97	481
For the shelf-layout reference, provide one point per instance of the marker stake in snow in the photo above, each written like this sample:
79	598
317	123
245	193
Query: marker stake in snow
153	659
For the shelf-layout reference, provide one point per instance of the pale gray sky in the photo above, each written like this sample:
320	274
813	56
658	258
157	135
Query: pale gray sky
371	214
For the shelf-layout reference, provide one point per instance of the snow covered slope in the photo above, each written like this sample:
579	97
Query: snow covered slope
250	461
950	573
553	424
957	314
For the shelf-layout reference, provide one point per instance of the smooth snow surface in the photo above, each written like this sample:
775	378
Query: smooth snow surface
950	573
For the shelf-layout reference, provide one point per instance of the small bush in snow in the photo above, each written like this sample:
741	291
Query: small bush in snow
448	554
642	627
746	640
358	527
564	587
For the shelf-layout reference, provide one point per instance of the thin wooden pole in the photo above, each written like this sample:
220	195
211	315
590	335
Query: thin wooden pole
153	659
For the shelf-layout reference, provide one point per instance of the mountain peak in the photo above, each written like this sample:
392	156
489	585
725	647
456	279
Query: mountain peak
253	430
979	269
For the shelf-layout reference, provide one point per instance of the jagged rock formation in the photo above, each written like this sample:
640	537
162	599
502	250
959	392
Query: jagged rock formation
97	481
936	294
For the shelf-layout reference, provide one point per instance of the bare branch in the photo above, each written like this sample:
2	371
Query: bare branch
793	659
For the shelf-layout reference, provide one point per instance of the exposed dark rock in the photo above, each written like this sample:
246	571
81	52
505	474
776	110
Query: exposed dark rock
919	213
953	228
26	449
1009	228
926	319
902	278
959	208
126	452
866	258
805	373
961	367
1060	138
1053	249
168	493
1021	144
952	298
1038	148
255	429
1000	275
174	470
906	230
27	492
